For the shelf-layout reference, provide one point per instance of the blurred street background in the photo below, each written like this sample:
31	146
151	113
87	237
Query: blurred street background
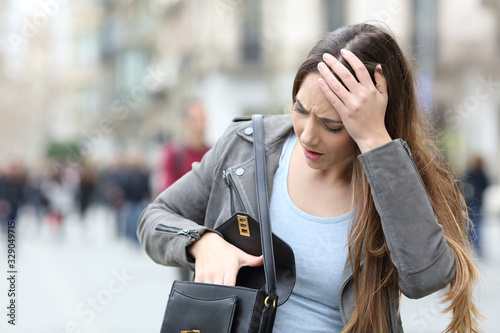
104	103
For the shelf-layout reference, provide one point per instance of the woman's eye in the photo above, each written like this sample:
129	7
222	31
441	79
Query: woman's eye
298	110
333	130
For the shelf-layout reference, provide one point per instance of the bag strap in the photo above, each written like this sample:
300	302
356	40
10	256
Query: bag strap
259	149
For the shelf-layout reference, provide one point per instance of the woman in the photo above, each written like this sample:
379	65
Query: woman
359	191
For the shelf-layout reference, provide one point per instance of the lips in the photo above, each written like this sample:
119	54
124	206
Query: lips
312	155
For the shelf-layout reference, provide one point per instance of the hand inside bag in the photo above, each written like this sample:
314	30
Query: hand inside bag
217	261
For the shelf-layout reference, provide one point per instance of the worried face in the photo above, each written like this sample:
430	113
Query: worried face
324	140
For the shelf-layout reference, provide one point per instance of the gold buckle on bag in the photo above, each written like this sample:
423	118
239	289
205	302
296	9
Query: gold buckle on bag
266	302
192	331
243	225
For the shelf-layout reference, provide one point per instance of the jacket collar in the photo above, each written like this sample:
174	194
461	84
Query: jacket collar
276	127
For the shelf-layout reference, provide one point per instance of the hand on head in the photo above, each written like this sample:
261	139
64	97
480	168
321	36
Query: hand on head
361	104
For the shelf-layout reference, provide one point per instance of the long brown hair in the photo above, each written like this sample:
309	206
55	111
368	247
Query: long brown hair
376	280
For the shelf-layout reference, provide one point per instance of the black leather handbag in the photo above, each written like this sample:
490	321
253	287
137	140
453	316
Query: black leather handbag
251	305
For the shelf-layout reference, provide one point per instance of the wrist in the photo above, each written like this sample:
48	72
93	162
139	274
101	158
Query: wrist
373	142
194	249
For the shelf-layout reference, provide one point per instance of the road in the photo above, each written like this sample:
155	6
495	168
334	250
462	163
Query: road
87	280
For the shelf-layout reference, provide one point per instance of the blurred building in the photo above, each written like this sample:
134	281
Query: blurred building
468	80
239	57
50	74
114	74
25	83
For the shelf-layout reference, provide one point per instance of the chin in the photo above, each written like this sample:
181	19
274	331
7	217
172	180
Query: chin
315	165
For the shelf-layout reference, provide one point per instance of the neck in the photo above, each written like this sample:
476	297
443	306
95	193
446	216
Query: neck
195	142
337	176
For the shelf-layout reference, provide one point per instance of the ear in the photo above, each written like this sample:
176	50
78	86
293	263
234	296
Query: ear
381	82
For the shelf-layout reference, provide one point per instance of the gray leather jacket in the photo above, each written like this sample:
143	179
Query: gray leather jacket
200	201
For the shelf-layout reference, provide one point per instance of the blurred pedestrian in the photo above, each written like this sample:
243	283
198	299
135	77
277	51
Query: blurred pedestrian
110	185
60	190
136	191
12	183
475	182
86	191
179	156
35	199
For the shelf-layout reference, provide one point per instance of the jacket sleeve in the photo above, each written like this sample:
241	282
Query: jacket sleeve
415	239
175	219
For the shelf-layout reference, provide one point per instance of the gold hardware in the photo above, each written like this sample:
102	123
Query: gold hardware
267	299
192	331
243	225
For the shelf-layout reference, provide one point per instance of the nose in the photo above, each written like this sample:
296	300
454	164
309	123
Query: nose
309	136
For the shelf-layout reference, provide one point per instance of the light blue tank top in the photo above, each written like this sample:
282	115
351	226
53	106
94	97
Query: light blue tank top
319	246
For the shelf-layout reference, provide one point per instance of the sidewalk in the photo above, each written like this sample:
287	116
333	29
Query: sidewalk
86	280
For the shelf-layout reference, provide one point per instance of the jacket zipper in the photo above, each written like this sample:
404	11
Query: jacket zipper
405	145
228	180
403	142
190	234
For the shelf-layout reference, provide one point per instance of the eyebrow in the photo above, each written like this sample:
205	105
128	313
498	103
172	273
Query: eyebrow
325	120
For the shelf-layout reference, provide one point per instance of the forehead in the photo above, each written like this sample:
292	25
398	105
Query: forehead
313	99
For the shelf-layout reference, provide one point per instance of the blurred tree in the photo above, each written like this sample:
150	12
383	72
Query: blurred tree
63	151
